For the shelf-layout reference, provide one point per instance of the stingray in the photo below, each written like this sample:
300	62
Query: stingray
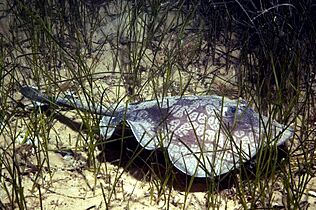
204	136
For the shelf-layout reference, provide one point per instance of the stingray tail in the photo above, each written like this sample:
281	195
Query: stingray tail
69	102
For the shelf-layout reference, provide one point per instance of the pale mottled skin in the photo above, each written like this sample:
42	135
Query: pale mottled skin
202	136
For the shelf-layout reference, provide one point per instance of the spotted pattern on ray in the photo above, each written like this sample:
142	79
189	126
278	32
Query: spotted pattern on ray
205	135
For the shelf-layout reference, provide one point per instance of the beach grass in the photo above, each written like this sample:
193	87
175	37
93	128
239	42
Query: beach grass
110	52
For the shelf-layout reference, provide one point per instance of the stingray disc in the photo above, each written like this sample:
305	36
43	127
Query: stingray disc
204	135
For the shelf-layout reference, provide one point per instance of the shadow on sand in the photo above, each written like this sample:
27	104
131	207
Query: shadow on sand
123	150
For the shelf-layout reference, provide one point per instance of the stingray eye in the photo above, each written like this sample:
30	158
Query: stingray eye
229	111
232	110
